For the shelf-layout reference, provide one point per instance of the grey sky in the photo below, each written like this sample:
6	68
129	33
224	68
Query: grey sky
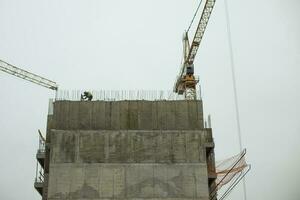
136	44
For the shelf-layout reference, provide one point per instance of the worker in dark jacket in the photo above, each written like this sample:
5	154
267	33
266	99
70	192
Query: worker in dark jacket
87	96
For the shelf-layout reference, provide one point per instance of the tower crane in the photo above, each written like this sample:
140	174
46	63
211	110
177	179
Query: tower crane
186	81
23	74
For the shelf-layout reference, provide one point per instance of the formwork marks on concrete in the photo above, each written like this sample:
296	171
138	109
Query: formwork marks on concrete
128	115
129	146
123	181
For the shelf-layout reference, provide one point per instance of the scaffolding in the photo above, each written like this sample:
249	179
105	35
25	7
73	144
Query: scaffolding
40	156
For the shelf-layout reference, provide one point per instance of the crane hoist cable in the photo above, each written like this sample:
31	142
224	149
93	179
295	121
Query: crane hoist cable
194	17
234	88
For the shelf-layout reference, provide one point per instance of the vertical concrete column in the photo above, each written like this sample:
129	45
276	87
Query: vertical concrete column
107	118
124	115
115	115
133	115
85	115
145	115
181	117
74	115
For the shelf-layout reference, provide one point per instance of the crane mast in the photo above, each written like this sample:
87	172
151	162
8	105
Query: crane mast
186	81
23	74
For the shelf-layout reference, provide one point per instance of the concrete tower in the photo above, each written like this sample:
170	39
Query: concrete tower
99	150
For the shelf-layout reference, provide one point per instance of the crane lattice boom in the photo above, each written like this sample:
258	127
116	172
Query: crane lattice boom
186	81
208	7
15	71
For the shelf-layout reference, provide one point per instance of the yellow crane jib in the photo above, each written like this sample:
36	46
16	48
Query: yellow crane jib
23	74
186	81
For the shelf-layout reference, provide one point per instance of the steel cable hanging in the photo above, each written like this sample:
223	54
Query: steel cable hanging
194	16
234	88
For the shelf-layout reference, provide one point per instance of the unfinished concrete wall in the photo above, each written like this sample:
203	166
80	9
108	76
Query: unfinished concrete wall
128	181
128	150
107	146
128	115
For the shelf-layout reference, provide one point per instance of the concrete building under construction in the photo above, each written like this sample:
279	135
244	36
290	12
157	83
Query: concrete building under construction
112	148
126	150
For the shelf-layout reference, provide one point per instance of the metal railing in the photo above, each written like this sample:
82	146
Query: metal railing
39	174
42	143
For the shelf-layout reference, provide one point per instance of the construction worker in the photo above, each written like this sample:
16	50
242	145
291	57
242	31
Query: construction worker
87	96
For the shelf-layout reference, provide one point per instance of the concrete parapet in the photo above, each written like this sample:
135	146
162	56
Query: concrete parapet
128	115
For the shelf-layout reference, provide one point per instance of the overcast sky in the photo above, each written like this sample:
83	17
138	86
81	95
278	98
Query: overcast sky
136	44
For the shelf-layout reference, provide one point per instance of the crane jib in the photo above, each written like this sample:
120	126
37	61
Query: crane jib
208	7
186	81
15	71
